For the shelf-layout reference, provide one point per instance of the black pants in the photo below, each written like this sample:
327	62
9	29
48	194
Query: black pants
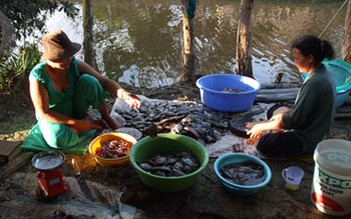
280	145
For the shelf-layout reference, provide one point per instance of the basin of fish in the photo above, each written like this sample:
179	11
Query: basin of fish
247	173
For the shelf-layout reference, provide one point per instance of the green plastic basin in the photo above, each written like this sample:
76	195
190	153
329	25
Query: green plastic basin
167	144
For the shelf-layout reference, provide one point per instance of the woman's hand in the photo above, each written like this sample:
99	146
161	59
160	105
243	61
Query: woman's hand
84	125
249	125
132	99
256	131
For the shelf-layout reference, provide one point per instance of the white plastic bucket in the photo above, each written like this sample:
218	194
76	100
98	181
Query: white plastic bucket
331	186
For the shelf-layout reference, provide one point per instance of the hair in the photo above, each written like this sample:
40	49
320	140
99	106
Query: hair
312	45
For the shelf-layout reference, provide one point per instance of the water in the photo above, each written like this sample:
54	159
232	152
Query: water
139	42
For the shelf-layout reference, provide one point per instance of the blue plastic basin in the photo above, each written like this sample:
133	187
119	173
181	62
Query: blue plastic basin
213	95
239	158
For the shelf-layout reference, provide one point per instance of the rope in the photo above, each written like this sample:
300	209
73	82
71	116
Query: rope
320	35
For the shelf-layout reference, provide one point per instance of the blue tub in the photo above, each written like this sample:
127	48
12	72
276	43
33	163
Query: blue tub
232	187
213	95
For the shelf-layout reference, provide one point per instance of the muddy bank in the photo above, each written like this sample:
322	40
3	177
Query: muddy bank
113	187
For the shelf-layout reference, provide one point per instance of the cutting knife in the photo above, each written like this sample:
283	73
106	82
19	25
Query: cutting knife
81	181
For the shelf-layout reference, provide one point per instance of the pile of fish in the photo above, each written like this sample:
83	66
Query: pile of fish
186	118
178	164
113	149
246	173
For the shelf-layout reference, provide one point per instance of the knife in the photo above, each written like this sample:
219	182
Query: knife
81	181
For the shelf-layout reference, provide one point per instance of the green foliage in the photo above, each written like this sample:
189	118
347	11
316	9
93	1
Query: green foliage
16	68
29	15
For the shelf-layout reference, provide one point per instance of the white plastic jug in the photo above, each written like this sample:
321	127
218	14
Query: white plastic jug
293	176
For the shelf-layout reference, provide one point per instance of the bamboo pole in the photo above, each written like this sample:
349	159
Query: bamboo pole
346	46
244	47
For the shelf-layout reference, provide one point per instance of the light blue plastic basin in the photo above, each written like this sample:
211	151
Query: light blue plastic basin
239	158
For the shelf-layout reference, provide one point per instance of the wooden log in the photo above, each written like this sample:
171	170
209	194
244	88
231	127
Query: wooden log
275	97
279	86
343	115
280	90
15	165
348	101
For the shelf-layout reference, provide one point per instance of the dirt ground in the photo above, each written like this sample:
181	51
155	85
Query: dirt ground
116	188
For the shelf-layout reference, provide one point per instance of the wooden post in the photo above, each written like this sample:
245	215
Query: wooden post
88	34
243	47
346	46
189	56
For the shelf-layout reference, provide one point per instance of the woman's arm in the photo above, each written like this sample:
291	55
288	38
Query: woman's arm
257	130
40	99
110	86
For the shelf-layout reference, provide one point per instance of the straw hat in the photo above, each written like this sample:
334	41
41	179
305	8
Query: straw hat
57	45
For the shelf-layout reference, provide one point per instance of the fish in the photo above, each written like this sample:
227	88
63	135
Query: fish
246	173
178	164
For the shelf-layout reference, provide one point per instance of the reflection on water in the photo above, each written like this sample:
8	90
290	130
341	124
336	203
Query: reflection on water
140	41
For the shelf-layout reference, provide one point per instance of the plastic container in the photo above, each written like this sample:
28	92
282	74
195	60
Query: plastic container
239	158
99	140
213	94
331	186
341	71
292	177
168	144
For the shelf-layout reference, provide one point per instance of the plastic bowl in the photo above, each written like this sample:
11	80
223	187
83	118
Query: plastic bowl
167	144
239	158
101	139
213	95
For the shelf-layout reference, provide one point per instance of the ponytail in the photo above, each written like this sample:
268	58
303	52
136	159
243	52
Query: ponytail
312	45
327	49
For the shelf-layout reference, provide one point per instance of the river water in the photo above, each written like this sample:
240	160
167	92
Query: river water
140	41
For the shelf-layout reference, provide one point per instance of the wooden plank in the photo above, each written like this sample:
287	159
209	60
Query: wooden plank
9	150
15	165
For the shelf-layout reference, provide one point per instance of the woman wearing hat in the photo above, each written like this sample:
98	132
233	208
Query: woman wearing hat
62	89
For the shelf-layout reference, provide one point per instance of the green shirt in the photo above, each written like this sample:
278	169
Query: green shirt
59	101
313	112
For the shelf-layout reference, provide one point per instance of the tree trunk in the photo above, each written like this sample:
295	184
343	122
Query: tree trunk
189	56
7	36
88	34
346	47
243	50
